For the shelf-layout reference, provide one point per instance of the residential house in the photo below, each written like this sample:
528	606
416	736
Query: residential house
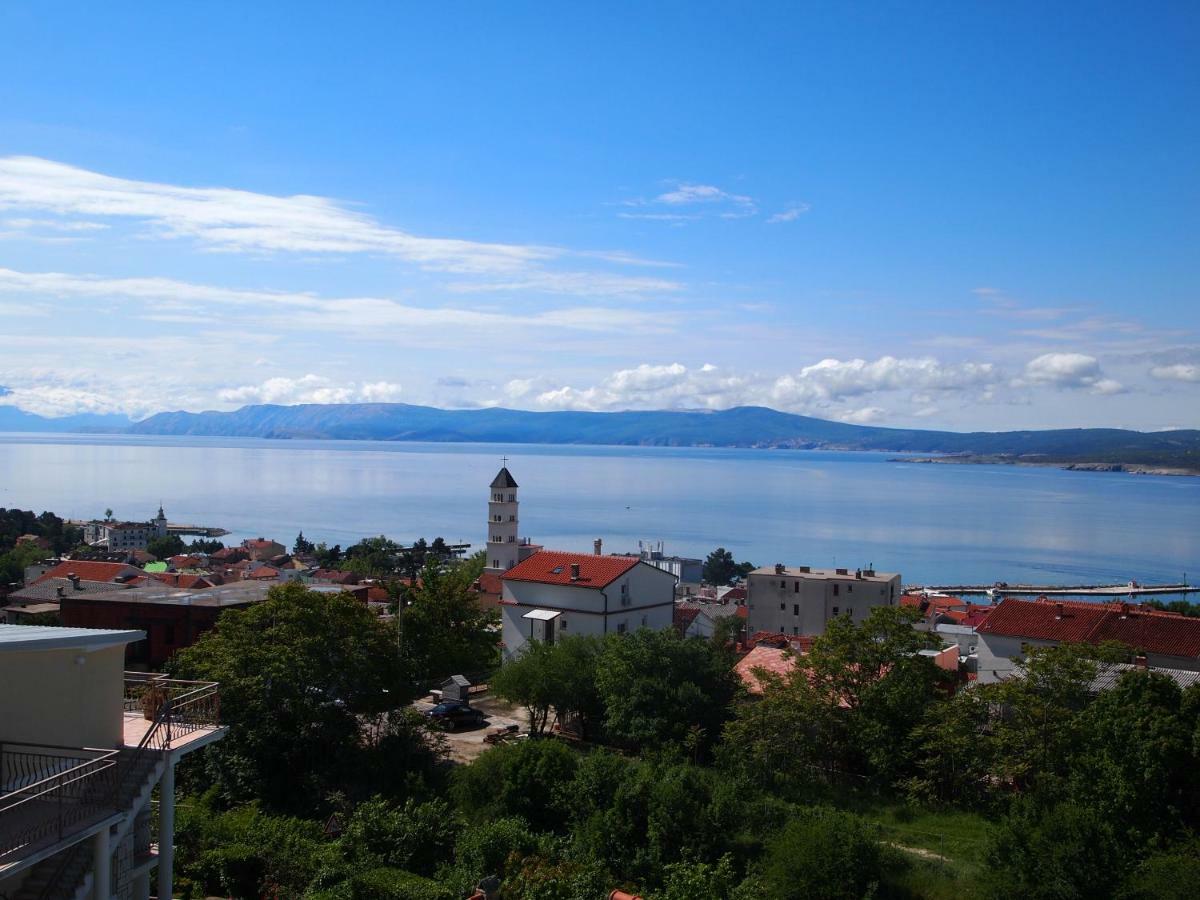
1167	640
261	549
699	619
800	600
83	748
552	594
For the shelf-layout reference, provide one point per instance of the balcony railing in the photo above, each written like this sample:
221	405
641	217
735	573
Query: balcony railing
48	792
176	707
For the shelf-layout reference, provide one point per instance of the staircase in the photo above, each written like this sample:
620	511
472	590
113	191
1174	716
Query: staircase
68	875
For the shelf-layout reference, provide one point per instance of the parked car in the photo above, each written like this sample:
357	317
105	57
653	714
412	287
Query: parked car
456	714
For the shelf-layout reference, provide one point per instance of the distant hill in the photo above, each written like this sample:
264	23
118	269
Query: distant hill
746	426
13	419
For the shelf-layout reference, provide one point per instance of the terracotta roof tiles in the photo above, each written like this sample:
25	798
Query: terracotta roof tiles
1148	630
553	567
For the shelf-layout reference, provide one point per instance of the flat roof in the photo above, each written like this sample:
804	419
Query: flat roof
52	637
237	593
825	574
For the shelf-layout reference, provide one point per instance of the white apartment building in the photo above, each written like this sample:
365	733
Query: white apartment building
800	600
125	536
552	594
84	749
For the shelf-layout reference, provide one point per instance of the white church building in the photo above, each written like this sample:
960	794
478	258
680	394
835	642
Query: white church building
546	594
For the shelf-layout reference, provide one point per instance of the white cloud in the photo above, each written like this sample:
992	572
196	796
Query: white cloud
684	194
370	316
1177	372
51	225
380	392
700	200
310	389
824	388
865	416
1069	370
226	219
791	214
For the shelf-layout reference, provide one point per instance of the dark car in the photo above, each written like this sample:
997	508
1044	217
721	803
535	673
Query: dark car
456	714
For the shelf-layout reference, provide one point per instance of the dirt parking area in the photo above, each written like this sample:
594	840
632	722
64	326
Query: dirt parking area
466	744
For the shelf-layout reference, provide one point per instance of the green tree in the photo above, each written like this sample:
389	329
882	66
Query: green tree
874	672
442	628
1065	851
689	880
558	678
1136	765
165	546
302	546
297	673
786	740
526	779
954	752
1040	732
413	837
1171	874
655	686
373	556
201	545
720	567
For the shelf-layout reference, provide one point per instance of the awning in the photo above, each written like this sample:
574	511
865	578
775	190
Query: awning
542	615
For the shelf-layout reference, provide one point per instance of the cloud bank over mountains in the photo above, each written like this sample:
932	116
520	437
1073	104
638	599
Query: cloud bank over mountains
136	296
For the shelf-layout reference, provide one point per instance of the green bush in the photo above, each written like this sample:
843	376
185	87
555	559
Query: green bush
823	855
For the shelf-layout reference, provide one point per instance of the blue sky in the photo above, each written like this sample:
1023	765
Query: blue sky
945	215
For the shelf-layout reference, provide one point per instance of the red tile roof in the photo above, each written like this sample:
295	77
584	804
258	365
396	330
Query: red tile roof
90	571
801	643
683	617
772	659
1148	630
976	613
553	567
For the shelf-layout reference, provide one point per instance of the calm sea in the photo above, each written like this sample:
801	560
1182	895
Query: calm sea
934	524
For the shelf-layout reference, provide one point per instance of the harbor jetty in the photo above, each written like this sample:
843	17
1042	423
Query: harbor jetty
1130	589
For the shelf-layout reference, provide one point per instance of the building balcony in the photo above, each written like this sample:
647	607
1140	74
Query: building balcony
53	797
170	714
50	794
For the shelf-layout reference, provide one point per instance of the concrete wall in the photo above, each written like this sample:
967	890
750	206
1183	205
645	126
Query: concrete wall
788	604
69	698
647	601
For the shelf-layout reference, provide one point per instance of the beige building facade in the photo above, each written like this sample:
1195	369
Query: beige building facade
800	600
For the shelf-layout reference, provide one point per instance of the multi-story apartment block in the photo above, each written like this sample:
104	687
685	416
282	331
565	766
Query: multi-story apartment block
85	751
797	600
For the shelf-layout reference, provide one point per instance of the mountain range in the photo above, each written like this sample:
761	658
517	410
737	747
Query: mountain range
746	426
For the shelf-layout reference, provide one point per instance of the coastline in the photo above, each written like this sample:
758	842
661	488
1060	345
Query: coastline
1081	466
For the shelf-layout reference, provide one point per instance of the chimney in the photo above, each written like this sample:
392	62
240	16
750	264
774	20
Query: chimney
1140	662
1058	610
574	571
59	590
74	580
597	546
778	568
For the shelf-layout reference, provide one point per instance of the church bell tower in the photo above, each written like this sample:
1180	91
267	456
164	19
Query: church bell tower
503	542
